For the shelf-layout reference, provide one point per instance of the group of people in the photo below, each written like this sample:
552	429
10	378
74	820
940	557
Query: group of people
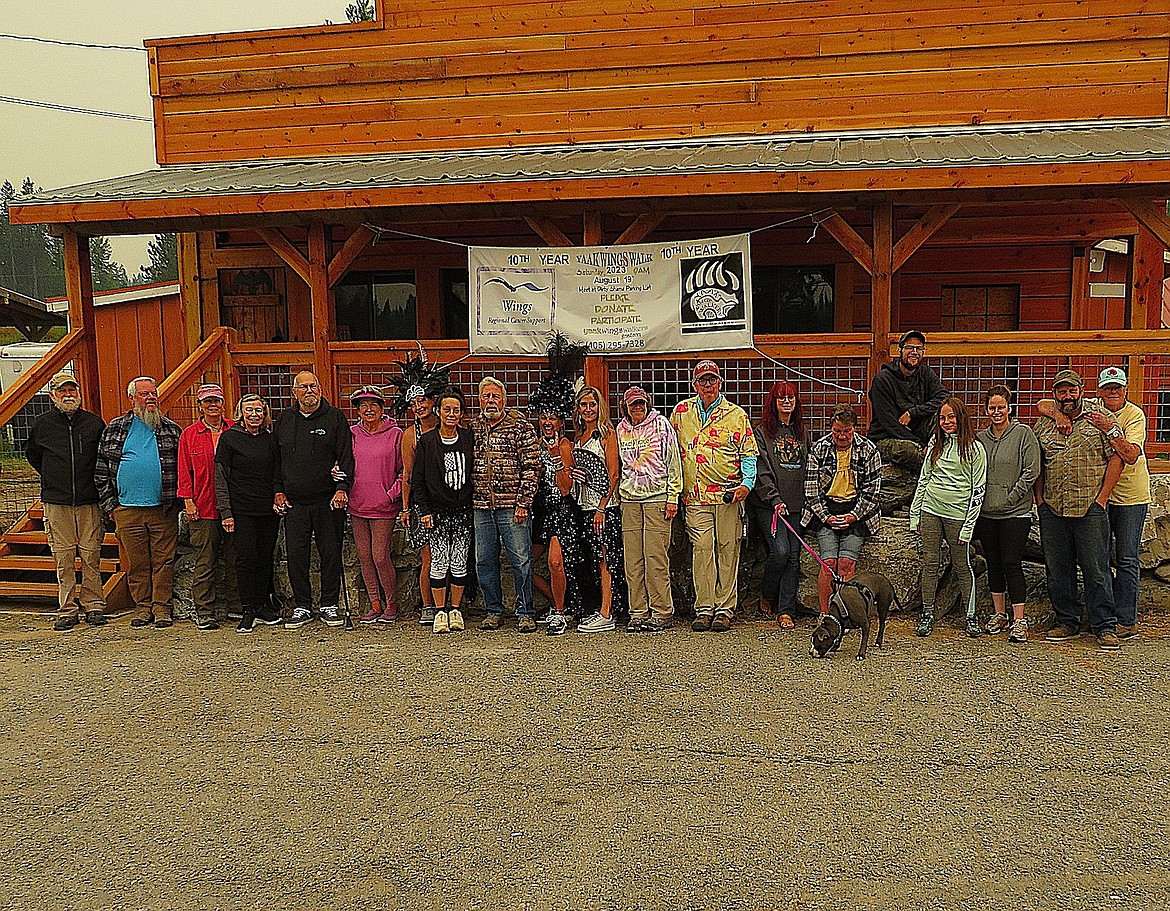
597	497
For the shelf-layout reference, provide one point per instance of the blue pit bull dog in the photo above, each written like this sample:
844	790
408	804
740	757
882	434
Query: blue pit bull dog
855	604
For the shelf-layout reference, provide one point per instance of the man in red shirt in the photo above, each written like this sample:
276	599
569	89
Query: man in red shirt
212	545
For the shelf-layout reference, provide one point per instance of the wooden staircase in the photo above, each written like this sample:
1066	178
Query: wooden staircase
28	572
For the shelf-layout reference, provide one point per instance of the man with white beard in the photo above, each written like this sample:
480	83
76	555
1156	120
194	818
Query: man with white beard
62	447
137	477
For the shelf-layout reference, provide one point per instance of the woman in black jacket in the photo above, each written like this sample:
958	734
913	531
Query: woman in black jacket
440	486
245	468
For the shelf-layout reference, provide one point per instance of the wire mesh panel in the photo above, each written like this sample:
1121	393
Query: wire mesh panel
20	486
746	382
185	410
272	382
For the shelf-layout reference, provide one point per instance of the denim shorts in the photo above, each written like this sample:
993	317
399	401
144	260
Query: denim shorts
834	545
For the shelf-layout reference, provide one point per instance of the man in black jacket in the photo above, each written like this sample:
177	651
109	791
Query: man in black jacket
906	395
62	447
314	469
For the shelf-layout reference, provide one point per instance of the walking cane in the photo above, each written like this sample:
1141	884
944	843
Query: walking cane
344	586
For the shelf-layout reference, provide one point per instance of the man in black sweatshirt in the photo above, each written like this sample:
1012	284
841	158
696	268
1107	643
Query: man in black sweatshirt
906	395
62	446
314	469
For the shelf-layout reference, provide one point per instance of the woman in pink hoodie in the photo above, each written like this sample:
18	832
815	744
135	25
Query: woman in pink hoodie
375	500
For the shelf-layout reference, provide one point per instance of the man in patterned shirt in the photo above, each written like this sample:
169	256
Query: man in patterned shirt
1078	473
719	455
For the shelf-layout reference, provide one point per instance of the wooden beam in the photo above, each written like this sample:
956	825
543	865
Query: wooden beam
1079	299
79	288
853	242
1153	216
354	246
640	228
286	250
1149	269
321	300
591	228
1044	344
882	285
190	289
548	232
912	240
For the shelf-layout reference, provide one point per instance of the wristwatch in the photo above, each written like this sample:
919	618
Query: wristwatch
1114	433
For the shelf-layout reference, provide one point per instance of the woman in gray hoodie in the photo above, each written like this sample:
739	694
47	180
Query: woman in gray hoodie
1013	464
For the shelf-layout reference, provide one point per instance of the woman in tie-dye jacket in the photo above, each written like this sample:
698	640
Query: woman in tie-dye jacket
650	486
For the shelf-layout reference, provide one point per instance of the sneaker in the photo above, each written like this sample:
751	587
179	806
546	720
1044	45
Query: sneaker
388	615
1126	632
701	624
526	624
654	625
163	622
269	616
997	624
64	623
1019	631
542	619
206	623
973	629
372	615
235	613
440	624
1061	633
330	616
247	622
490	622
426	615
1107	641
595	623
557	624
300	617
95	618
925	625
721	624
635	625
455	620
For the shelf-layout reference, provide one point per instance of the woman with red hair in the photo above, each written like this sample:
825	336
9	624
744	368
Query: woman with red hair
779	491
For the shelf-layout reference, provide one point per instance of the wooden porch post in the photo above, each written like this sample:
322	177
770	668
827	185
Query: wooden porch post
1146	304
881	296
323	310
79	288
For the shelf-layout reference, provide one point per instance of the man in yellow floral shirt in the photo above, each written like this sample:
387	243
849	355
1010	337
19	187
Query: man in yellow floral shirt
719	469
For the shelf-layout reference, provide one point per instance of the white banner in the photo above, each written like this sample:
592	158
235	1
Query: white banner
647	298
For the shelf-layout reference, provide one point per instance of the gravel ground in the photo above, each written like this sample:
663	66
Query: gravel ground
396	769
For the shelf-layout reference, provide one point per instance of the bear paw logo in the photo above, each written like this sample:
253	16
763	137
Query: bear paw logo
711	290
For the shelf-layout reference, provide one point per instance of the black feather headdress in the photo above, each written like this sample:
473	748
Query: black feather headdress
566	365
417	376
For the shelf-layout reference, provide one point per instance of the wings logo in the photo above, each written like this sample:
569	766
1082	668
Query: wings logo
527	286
713	294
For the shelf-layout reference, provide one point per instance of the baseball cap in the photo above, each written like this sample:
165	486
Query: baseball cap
208	391
636	394
706	367
1112	376
913	333
367	392
61	379
1071	377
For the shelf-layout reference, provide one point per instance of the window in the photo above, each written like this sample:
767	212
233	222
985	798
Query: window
454	291
982	308
376	306
792	299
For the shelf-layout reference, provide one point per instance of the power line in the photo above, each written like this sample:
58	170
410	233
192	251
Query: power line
100	47
74	110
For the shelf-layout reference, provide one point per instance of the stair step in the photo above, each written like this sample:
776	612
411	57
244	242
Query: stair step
39	537
12	563
29	590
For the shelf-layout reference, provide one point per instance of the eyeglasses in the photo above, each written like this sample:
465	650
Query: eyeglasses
707	380
917	349
786	398
306	387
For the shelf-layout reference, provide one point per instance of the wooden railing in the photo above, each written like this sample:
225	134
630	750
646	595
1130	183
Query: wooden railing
214	356
21	392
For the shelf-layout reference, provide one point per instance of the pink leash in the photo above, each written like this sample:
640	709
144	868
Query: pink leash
779	515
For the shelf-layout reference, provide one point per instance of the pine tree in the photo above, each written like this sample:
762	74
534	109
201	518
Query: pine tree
164	261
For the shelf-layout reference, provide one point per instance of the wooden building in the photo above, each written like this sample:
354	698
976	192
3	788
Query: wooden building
992	173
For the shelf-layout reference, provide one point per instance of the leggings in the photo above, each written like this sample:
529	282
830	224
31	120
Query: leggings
372	539
255	542
1003	543
934	529
450	541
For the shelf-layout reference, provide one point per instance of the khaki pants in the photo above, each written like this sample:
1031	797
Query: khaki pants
76	531
646	541
213	548
715	532
148	535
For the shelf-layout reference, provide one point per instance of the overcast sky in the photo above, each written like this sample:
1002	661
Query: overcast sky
57	149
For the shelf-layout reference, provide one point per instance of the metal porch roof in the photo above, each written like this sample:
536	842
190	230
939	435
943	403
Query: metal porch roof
952	147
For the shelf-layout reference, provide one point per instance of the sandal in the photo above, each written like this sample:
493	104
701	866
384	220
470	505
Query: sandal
785	622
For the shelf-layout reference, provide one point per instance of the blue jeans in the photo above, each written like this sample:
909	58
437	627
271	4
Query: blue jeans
492	525
1070	542
782	564
1126	523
